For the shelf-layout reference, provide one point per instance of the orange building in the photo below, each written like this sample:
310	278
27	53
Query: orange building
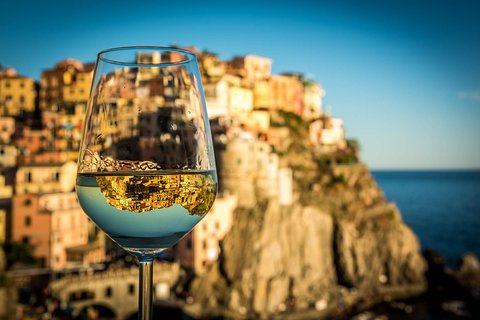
287	93
280	92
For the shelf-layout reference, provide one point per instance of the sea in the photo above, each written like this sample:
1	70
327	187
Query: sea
442	207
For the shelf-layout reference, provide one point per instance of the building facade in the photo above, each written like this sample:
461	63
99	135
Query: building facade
17	93
51	223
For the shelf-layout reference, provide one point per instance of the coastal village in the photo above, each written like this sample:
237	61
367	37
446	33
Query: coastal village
299	228
42	226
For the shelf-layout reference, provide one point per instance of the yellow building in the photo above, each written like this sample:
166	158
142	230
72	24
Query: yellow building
257	121
6	191
7	129
240	100
210	65
17	93
3	226
77	86
263	95
68	81
8	155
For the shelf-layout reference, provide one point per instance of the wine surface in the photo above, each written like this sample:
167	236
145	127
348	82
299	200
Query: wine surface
147	211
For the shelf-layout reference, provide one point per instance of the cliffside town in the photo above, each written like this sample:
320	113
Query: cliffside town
335	245
299	227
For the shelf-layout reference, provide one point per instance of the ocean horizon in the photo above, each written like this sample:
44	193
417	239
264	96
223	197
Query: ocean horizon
442	206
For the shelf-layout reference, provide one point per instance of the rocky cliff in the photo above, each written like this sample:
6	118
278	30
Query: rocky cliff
339	245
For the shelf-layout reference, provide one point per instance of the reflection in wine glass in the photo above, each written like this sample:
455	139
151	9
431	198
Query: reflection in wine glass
146	172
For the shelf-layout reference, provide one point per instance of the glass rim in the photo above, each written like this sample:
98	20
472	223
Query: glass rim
189	56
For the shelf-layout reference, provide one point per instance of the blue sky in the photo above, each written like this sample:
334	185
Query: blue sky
404	75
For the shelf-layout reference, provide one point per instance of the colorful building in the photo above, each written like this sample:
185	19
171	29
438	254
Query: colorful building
46	178
51	223
69	81
201	247
327	134
280	92
7	129
313	94
211	67
287	93
17	93
251	68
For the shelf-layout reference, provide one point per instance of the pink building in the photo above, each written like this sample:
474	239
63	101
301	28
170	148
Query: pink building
201	247
51	223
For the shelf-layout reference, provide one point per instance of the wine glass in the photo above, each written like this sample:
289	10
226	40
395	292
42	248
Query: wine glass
146	170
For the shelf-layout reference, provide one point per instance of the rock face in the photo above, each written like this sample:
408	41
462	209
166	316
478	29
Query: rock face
373	246
339	242
274	256
468	273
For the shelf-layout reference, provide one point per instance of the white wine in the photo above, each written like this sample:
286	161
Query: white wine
147	211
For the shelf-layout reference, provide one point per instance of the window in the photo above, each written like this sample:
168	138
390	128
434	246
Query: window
81	295
26	240
28	176
22	84
108	292
28	221
131	289
22	98
217	225
7	84
204	244
27	202
189	244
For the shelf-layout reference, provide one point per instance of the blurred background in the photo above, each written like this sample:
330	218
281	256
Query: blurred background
346	138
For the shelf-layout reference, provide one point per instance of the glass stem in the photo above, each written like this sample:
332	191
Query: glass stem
145	288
